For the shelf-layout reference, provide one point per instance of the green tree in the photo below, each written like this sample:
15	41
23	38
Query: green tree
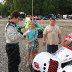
48	7
1	8
40	7
9	5
65	6
37	7
22	5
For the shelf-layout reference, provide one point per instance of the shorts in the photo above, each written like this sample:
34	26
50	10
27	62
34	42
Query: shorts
31	48
52	48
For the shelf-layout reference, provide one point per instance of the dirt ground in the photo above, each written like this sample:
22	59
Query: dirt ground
66	28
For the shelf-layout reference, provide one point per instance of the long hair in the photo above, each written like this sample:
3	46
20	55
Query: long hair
33	24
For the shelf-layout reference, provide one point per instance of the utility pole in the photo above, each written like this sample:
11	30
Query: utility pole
32	9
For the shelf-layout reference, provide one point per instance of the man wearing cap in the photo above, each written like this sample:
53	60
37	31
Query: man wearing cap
52	35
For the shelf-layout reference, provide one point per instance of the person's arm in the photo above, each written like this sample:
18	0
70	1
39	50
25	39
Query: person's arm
13	34
28	42
33	39
44	39
59	35
44	36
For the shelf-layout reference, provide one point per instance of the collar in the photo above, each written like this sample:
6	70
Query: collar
12	23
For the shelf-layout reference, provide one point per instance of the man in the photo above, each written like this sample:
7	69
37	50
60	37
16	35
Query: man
53	35
12	42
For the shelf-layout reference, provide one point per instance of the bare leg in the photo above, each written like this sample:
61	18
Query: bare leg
28	56
33	54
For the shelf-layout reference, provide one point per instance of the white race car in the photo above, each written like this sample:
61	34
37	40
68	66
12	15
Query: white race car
61	61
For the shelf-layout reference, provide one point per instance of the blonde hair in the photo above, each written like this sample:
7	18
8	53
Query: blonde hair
32	23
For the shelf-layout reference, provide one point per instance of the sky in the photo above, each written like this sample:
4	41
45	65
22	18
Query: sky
0	0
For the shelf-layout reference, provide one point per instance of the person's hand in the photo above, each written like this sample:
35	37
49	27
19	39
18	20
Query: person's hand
48	31
59	41
44	43
28	42
29	45
22	37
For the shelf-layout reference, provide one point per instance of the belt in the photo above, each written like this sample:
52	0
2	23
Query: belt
12	43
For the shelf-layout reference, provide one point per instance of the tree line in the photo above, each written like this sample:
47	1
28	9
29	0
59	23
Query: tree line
40	7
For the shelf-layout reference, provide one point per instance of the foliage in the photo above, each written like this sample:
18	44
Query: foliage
40	7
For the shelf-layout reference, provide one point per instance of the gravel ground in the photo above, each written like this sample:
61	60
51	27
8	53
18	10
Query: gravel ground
66	28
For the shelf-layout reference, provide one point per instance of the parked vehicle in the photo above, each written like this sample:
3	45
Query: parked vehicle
45	18
0	17
61	61
69	16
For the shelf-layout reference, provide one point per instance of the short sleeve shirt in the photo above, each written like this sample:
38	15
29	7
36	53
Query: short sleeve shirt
31	35
52	34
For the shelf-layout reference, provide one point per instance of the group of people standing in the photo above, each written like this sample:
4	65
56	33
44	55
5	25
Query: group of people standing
51	37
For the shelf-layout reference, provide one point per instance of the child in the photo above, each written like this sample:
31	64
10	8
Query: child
31	36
